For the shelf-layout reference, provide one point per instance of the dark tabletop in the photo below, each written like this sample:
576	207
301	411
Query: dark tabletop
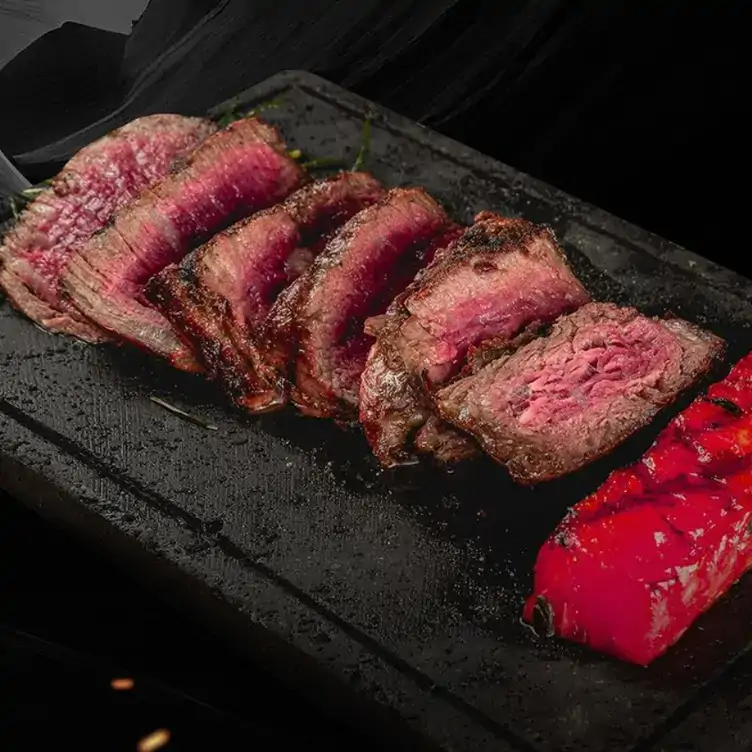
70	624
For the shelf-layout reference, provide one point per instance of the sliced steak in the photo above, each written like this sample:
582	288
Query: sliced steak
81	200
501	280
237	171
564	400
220	294
318	322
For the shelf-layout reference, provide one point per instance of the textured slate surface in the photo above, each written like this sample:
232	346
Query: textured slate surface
724	720
392	595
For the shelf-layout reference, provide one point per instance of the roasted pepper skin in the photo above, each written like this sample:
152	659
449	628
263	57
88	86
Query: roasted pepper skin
634	564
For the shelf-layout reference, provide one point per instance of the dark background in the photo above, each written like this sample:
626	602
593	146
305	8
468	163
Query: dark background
70	623
636	107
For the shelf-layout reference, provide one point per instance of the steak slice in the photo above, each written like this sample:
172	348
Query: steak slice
239	170
633	565
564	400
318	322
498	282
220	294
81	200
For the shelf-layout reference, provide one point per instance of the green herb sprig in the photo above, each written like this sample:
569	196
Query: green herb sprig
365	147
328	163
322	163
19	201
232	113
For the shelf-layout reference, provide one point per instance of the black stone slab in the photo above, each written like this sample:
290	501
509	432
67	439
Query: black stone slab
393	598
724	720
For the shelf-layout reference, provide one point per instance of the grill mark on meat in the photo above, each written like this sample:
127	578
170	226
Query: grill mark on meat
82	200
661	540
564	400
241	169
372	259
219	295
487	293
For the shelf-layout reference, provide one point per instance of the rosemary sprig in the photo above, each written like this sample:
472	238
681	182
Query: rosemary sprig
232	114
19	201
183	414
365	147
31	192
322	162
331	162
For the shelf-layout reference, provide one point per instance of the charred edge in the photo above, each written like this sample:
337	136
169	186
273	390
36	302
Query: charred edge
727	405
543	618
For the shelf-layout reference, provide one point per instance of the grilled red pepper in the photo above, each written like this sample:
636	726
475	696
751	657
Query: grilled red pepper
634	564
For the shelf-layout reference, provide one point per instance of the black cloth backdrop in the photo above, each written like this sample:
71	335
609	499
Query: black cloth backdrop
636	107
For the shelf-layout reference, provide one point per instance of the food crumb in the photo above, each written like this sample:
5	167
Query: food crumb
122	684
156	740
